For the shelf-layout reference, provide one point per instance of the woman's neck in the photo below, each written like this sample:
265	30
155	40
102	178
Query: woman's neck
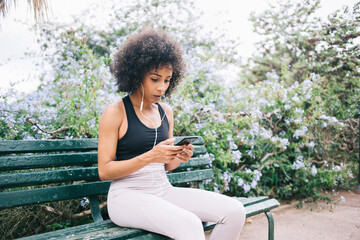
136	98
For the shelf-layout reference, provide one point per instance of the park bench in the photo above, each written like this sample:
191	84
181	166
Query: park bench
55	170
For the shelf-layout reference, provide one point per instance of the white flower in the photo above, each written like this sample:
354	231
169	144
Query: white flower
336	168
313	170
298	164
199	126
216	188
299	111
227	177
272	75
266	134
342	199
236	156
248	171
84	202
284	142
246	187
311	145
257	114
314	77
258	175
296	99
300	132
298	120
253	183
240	182
233	146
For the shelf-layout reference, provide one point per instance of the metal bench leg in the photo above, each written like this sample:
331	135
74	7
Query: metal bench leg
271	225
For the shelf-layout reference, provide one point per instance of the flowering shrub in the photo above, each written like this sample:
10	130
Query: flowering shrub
277	144
268	138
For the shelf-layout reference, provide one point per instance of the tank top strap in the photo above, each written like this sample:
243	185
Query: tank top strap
130	112
161	110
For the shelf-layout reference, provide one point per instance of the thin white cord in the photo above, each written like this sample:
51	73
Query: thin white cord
141	107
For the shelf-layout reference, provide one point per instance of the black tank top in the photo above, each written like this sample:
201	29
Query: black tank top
138	138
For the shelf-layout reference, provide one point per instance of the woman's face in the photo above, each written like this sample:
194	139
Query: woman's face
156	82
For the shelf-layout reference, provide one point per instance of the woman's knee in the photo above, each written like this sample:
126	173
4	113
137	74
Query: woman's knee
236	213
190	227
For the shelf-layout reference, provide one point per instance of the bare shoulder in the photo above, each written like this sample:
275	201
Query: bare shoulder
114	112
168	112
167	108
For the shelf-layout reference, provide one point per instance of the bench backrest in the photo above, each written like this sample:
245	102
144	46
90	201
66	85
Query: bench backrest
38	171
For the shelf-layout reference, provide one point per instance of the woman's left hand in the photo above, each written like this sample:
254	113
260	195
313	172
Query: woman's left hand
186	153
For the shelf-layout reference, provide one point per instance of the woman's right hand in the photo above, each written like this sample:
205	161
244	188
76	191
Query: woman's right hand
163	152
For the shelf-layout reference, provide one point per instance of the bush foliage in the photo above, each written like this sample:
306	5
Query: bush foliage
274	123
284	123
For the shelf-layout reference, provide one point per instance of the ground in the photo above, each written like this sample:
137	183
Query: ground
335	221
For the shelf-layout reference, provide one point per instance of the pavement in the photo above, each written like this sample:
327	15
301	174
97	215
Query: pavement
339	220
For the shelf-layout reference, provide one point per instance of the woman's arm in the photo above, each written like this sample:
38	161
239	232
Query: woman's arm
110	169
186	152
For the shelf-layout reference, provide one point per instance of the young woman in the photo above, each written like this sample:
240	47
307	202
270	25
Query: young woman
136	146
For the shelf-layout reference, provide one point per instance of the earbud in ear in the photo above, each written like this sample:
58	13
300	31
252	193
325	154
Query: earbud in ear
142	100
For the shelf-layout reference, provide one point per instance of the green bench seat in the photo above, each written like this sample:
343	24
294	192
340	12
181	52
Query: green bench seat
55	170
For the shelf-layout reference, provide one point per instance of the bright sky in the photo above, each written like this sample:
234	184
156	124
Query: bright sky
16	39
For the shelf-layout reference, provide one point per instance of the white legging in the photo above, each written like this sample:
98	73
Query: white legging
146	200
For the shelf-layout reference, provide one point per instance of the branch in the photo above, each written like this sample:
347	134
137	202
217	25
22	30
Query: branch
52	210
242	167
265	164
267	156
53	134
72	216
272	125
87	212
319	163
345	38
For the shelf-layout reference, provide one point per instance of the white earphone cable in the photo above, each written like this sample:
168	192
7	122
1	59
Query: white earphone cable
141	107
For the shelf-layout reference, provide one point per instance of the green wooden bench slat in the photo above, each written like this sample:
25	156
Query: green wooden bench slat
8	163
261	207
78	232
195	162
199	150
208	225
252	200
50	194
86	171
45	177
110	233
109	229
252	208
89	174
151	236
48	160
196	175
28	146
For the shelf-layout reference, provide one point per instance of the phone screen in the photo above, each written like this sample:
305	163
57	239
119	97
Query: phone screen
186	141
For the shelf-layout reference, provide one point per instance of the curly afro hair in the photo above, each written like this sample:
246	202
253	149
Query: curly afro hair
149	49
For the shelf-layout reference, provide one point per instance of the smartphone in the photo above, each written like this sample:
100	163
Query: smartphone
186	141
